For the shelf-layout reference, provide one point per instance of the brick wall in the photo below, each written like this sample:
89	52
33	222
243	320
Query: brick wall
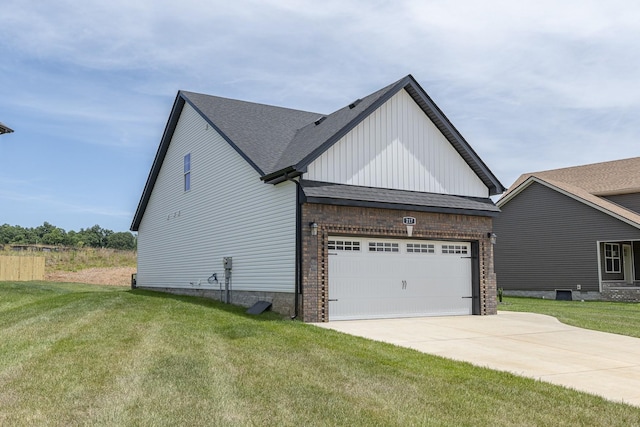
375	222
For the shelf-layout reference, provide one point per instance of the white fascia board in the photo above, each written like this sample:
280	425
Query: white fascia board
506	198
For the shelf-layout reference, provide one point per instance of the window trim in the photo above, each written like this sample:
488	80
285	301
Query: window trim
612	253
187	172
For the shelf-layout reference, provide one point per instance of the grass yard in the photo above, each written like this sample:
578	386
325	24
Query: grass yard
74	354
615	317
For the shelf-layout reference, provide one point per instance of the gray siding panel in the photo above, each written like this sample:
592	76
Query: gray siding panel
548	241
629	201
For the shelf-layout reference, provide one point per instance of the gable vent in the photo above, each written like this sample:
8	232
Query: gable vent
320	120
354	103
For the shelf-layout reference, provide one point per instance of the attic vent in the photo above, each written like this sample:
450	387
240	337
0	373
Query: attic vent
354	103
320	120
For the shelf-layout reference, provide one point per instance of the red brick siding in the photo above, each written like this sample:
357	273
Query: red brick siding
354	221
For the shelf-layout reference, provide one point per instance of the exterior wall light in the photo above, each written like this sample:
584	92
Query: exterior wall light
493	238
314	228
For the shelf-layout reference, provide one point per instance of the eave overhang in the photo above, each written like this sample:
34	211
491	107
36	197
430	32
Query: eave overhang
600	205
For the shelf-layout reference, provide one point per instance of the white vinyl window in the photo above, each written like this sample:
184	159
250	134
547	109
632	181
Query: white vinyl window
344	245
187	172
612	258
384	247
424	248
455	249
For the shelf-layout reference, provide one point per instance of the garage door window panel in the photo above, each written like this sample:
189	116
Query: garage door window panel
384	247
455	249
344	245
421	248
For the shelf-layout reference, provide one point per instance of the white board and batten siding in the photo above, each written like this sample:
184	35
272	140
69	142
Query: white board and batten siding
398	147
228	212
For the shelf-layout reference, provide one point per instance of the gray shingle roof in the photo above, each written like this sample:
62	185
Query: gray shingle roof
330	193
313	139
280	142
275	139
260	132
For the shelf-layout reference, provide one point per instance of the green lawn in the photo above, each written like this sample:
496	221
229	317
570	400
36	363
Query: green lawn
616	317
88	355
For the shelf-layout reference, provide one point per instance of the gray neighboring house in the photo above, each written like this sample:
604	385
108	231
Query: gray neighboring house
5	129
379	209
574	229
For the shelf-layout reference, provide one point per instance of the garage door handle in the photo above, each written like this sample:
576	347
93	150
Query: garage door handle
332	300
466	297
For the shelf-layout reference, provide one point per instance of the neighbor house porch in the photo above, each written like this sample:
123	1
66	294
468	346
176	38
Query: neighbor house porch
618	263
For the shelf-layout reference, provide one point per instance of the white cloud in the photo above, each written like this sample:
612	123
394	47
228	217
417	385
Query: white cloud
531	84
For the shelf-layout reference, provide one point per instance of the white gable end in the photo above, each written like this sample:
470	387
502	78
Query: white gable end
398	147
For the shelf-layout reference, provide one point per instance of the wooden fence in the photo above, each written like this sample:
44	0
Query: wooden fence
21	268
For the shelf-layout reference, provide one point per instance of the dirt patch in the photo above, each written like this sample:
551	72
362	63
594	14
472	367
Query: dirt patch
115	276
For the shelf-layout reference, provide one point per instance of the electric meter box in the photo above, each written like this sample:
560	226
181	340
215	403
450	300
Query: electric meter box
226	261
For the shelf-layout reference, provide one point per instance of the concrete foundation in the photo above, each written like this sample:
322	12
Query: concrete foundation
282	302
576	295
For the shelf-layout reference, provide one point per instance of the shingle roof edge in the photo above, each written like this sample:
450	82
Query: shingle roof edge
410	84
170	127
598	203
353	195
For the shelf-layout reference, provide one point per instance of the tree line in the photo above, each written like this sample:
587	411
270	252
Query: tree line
48	234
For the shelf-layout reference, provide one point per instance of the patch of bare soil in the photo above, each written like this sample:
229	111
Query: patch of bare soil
116	276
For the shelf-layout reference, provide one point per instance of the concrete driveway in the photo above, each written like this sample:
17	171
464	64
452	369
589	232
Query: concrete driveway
531	345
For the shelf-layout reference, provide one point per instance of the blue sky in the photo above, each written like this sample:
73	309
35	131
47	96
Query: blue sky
88	85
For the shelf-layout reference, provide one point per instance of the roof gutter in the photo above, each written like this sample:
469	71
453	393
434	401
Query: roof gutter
298	256
282	175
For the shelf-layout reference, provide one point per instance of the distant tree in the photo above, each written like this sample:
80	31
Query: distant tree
121	240
43	230
95	236
16	234
56	236
72	239
49	234
7	233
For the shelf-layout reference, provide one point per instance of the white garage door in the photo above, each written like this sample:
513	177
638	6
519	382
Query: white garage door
376	278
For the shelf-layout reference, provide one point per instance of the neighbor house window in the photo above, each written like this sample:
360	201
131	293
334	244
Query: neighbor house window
612	258
187	172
